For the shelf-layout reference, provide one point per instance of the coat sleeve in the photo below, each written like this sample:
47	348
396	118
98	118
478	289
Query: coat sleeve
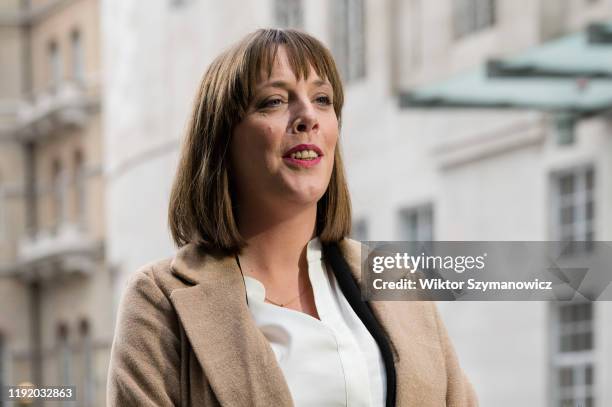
459	390
144	364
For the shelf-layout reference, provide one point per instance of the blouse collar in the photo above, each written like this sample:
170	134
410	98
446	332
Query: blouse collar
255	288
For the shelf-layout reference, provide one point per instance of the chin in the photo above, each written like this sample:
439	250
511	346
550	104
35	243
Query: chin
311	198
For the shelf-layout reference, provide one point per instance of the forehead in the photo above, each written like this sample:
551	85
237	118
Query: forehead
281	64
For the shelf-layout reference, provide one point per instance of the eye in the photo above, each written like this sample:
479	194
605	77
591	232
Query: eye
324	100
273	102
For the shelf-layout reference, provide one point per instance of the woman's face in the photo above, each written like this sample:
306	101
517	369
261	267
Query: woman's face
282	152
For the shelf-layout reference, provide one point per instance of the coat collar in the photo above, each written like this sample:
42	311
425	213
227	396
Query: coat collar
193	264
217	321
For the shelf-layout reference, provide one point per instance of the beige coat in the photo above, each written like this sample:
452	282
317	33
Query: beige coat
185	337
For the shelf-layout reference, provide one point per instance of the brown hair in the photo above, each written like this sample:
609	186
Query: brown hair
201	207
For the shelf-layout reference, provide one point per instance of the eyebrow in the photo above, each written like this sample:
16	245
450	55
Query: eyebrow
285	85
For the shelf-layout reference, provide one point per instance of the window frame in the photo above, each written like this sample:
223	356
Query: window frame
78	55
59	193
349	39
79	181
471	16
583	226
64	354
424	210
86	339
576	360
55	65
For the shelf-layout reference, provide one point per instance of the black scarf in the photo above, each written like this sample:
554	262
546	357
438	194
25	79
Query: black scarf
352	293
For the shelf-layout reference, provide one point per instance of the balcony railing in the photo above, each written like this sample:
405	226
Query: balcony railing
32	14
68	106
67	251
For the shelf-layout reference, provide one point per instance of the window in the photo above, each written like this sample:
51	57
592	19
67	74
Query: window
88	377
64	356
472	15
79	187
55	65
289	13
573	360
416	224
360	230
416	21
565	124
58	187
574	209
349	38
77	56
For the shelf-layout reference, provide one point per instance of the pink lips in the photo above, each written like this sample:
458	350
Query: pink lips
301	147
303	163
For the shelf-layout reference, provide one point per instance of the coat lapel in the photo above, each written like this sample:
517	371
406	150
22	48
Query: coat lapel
216	318
351	251
217	321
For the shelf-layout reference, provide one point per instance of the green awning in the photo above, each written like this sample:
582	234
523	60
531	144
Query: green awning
573	73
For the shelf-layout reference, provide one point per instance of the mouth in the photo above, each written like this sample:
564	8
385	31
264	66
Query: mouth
304	152
303	155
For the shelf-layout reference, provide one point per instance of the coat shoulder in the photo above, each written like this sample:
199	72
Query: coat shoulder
351	247
351	243
146	344
158	273
351	251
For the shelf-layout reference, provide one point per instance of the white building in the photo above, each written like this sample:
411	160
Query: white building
443	173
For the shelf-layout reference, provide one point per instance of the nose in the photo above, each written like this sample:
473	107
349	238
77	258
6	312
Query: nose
305	119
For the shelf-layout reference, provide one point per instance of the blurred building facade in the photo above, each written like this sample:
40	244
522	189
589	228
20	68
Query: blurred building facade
414	173
501	174
56	315
442	174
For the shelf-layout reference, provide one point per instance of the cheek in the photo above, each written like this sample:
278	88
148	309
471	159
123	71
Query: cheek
255	144
241	149
333	140
270	139
332	133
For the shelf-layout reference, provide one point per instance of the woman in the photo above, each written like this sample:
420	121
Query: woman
261	305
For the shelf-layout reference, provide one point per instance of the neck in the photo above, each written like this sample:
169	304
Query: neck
276	246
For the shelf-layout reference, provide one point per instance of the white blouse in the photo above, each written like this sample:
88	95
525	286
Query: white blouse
333	361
